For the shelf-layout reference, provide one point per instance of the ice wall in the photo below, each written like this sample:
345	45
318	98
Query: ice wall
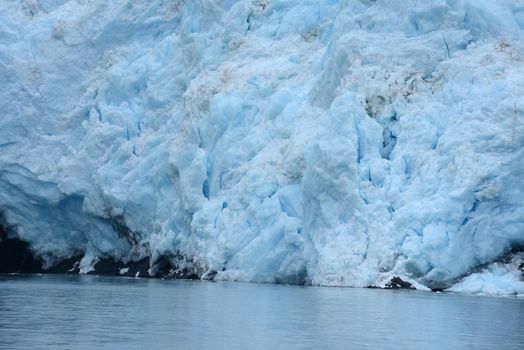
325	142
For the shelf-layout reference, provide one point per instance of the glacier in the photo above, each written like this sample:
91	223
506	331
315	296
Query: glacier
323	142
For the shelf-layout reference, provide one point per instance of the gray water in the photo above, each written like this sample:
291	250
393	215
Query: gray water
88	312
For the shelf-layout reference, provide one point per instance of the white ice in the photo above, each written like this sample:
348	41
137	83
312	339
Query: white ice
496	279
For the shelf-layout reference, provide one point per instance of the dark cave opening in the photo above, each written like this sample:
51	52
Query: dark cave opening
15	255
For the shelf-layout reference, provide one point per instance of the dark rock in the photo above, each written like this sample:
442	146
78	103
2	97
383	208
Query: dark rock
397	283
138	268
111	267
107	267
71	265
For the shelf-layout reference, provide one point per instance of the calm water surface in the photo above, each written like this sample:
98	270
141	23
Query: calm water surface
87	312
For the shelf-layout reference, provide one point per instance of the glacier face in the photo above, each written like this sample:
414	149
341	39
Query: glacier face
324	142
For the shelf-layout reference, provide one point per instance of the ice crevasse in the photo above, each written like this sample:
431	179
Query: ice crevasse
325	142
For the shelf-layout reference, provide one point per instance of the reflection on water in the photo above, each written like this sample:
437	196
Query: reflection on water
87	312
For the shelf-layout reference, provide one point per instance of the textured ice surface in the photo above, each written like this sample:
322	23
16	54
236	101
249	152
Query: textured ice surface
496	279
325	142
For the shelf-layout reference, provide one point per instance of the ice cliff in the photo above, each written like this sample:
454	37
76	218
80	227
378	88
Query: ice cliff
319	141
